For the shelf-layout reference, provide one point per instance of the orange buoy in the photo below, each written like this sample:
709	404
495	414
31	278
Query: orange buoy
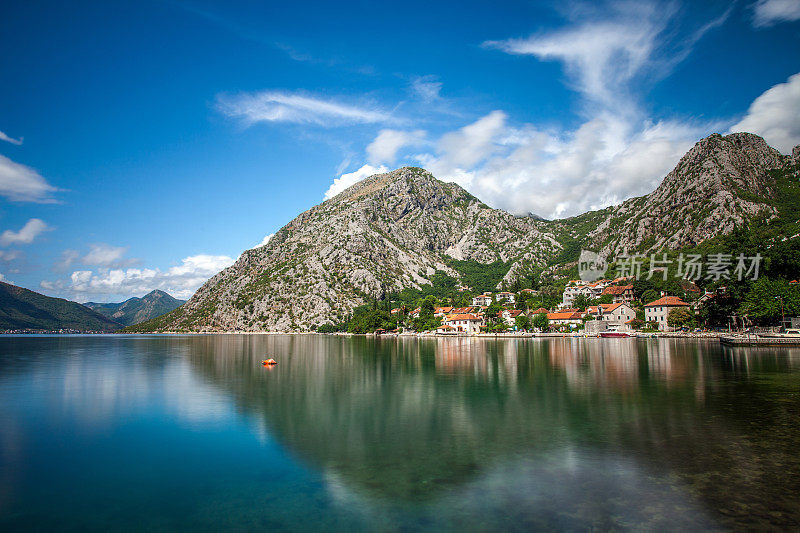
269	362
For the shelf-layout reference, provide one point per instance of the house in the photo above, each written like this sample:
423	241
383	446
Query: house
442	311
659	310
540	311
617	313
464	310
506	297
510	316
463	323
463	288
484	300
444	328
564	318
577	287
621	294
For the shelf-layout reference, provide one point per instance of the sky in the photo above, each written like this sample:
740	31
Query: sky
145	145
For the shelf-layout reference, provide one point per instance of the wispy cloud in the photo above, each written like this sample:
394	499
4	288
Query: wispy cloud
26	235
9	255
607	56
278	106
601	57
775	115
181	281
426	88
23	184
4	137
770	12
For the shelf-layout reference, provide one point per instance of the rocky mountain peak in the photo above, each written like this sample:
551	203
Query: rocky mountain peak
409	184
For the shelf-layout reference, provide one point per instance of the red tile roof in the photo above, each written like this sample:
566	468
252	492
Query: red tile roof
668	301
467	316
540	311
563	316
616	290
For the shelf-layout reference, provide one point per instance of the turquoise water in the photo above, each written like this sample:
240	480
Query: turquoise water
192	433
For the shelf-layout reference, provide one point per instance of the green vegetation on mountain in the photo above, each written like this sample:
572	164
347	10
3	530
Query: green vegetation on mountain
22	309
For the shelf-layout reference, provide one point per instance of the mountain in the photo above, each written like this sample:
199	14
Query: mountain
137	310
24	309
720	183
396	230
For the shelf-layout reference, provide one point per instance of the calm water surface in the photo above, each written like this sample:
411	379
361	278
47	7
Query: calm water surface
157	433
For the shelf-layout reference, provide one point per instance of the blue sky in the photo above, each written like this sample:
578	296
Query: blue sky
147	144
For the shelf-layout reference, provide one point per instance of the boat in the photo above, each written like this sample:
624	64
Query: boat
269	362
614	334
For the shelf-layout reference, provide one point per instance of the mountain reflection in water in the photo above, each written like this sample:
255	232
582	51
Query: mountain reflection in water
454	433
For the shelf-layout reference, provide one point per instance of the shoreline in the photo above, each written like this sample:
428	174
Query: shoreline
705	335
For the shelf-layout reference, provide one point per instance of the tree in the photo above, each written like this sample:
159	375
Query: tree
582	301
523	323
541	322
494	310
648	296
770	299
679	317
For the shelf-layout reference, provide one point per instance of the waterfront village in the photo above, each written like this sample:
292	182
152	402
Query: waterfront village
615	307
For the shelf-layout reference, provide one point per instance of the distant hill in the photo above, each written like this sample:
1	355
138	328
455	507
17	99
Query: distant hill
137	310
24	309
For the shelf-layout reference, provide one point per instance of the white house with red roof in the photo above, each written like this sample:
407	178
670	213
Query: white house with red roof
577	287
484	300
463	323
506	297
658	311
510	316
572	318
618	313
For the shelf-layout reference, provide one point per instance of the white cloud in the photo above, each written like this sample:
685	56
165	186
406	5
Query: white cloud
180	281
775	115
104	255
23	184
385	146
557	174
4	137
9	255
471	144
276	106
771	12
32	229
265	240
346	180
426	88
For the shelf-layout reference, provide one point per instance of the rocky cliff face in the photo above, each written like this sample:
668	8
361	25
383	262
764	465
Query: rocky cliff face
394	230
719	183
